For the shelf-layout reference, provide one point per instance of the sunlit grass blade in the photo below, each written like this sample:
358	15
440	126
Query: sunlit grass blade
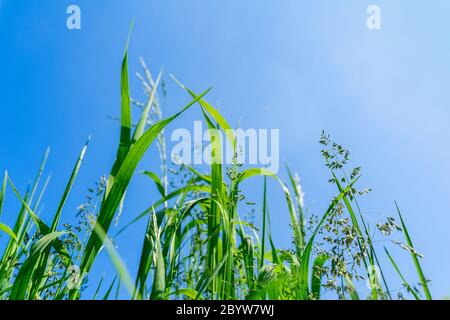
39	175
221	121
317	273
98	288
69	186
214	218
144	116
275	258
419	270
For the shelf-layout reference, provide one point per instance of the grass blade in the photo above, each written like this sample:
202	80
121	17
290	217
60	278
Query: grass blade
419	270
116	260
69	185
8	231
316	281
264	218
304	264
126	121
111	286
408	287
120	184
23	278
3	191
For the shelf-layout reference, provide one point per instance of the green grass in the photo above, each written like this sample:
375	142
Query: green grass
198	243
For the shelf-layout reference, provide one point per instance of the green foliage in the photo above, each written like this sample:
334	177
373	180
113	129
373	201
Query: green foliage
198	244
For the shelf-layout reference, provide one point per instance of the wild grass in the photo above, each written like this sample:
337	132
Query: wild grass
197	244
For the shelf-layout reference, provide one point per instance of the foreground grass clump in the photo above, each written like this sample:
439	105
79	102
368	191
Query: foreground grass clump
196	244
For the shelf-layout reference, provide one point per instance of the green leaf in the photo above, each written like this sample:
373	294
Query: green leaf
126	120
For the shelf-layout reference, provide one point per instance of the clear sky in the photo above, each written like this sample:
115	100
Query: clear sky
300	66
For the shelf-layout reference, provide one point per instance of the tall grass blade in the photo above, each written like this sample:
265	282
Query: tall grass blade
3	191
264	219
419	270
23	278
116	260
120	184
111	286
69	186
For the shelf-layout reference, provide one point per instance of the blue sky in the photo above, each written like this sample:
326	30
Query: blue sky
300	66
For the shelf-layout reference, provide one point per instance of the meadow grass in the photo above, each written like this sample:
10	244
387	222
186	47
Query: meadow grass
196	244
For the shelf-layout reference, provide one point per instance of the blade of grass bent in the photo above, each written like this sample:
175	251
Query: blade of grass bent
2	191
